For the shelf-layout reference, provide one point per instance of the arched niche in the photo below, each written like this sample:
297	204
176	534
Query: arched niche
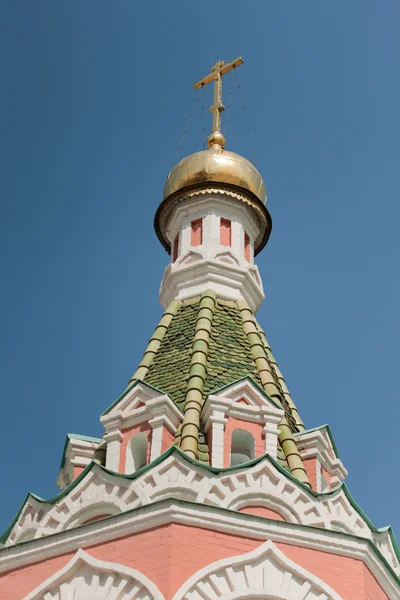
136	452
242	447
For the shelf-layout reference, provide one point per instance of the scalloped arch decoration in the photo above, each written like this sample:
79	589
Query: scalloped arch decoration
86	578
263	573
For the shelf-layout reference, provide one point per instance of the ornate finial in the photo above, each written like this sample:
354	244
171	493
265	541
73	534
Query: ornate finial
220	68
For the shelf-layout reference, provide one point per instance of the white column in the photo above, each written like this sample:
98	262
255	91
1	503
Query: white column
237	240
215	229
185	239
217	439
208	232
157	424
318	473
113	438
271	432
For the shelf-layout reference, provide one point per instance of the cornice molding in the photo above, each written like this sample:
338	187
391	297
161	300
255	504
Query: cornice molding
206	517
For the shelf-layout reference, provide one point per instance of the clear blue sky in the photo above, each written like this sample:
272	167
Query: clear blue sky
94	99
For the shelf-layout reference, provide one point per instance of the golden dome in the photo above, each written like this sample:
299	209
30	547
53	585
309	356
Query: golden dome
215	165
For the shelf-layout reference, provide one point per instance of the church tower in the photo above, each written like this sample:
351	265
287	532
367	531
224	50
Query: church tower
206	484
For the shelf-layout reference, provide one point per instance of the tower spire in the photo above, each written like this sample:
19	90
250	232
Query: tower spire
217	71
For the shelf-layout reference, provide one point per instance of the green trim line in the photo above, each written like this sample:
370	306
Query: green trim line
76	436
215	470
128	389
245	516
253	382
328	431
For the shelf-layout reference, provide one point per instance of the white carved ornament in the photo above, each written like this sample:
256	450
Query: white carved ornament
264	573
262	484
86	578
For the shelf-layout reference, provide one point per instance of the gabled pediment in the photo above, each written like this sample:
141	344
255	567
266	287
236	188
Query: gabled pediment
138	393
319	443
227	256
140	403
189	258
244	399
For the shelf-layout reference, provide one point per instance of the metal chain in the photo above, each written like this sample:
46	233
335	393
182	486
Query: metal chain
202	121
245	121
188	124
229	100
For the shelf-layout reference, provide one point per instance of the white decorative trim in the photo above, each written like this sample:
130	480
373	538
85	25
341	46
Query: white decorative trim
262	484
211	206
206	517
79	453
86	577
259	409
229	281
317	444
266	573
141	404
113	437
211	264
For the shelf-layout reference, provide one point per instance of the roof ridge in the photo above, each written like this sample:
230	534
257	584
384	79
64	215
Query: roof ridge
280	380
155	341
269	384
197	374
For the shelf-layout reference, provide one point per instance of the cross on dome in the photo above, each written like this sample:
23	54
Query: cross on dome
217	71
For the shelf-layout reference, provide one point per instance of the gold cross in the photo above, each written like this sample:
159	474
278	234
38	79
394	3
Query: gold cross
217	71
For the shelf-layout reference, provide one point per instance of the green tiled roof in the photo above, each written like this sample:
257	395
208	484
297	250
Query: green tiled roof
170	368
233	346
229	357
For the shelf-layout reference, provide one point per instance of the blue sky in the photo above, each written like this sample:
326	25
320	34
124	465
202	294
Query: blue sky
95	97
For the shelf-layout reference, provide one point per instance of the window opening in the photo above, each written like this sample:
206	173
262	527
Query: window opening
225	232
176	247
136	452
196	238
242	447
246	247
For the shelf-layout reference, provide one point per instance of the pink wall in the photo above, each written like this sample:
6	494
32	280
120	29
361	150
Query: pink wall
128	435
77	471
347	576
373	590
327	476
167	440
170	554
311	468
225	232
196	232
256	429
262	511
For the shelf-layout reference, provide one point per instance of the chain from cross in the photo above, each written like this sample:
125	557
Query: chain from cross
217	71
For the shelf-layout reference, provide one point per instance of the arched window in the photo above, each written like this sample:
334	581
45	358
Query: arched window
242	447
136	453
